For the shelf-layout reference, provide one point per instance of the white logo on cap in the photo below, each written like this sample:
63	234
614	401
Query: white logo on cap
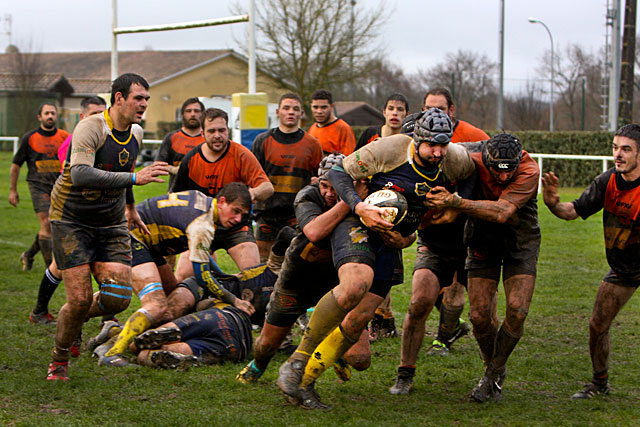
503	166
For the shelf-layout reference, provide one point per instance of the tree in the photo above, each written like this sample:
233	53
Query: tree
313	44
26	72
526	110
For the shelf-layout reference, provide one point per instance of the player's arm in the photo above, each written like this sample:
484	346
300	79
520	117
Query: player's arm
396	240
164	154
489	210
262	192
206	280
563	210
14	197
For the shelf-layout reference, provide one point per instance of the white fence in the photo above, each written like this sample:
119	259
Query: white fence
540	157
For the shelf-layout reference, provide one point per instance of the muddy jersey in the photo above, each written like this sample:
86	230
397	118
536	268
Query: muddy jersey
236	164
97	144
369	135
178	222
621	203
390	162
174	147
39	148
335	137
289	160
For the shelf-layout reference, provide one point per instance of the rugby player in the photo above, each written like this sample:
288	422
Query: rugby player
92	209
290	157
334	134
366	248
617	192
177	221
502	235
39	148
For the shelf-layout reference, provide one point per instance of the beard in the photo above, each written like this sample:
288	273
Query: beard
191	124
49	124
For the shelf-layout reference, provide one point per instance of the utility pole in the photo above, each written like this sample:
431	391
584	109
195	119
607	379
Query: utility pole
627	63
500	106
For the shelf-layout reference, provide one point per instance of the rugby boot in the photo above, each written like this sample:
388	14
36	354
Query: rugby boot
116	361
58	371
154	338
463	329
342	370
102	349
404	383
104	334
42	318
438	349
26	261
591	390
309	398
489	387
171	360
289	377
75	347
249	374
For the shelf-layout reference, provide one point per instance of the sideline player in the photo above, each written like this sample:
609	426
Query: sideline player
307	272
39	148
92	207
334	134
617	192
52	276
176	221
367	256
452	298
503	234
179	142
290	157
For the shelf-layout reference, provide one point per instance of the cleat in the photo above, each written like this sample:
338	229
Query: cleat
117	360
289	377
309	398
438	349
489	387
287	346
382	328
108	318
342	370
463	329
42	318
171	360
26	261
102	349
591	390
249	374
403	385
58	371
154	338
104	334
75	347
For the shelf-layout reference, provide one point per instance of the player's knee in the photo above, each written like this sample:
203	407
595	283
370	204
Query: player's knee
597	326
418	306
358	361
114	297
481	320
516	314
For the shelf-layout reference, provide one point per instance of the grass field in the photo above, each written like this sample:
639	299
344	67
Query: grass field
550	363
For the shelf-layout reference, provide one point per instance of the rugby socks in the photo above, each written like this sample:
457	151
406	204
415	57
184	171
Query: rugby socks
48	286
135	325
325	355
33	249
487	342
505	343
326	316
449	322
45	247
601	379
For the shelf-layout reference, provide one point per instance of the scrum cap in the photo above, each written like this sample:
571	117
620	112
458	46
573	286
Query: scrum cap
502	152
434	127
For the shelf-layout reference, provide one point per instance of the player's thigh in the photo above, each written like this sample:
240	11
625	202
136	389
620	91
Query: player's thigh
184	268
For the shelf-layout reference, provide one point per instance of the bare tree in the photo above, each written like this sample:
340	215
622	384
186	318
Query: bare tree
526	110
313	44
26	72
471	78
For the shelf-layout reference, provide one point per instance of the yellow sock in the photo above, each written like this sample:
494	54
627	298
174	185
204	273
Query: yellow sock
329	350
135	325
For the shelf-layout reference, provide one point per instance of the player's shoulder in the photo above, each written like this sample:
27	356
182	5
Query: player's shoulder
309	193
457	163
137	132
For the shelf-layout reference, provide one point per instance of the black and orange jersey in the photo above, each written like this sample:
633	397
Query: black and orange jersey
177	222
369	135
39	148
466	132
174	147
335	137
236	164
97	144
621	203
290	160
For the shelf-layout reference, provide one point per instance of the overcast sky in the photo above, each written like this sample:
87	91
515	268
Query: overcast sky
419	32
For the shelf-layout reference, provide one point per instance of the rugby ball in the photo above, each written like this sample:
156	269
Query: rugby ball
394	204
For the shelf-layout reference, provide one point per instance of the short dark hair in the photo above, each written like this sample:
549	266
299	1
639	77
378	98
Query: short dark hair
212	114
46	103
290	95
397	97
631	131
322	94
91	100
236	191
440	91
123	85
190	101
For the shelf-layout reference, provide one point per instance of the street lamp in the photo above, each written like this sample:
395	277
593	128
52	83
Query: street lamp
537	21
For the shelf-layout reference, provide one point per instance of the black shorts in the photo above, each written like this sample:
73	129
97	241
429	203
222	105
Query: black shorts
632	281
141	254
443	264
487	265
75	244
227	238
268	228
40	195
217	334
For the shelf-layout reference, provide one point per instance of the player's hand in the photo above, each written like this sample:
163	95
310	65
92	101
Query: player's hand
371	217
244	306
151	173
362	187
445	216
393	239
550	184
14	198
134	220
438	198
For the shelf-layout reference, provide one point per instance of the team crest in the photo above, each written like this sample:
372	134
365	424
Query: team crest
422	188
123	157
358	235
